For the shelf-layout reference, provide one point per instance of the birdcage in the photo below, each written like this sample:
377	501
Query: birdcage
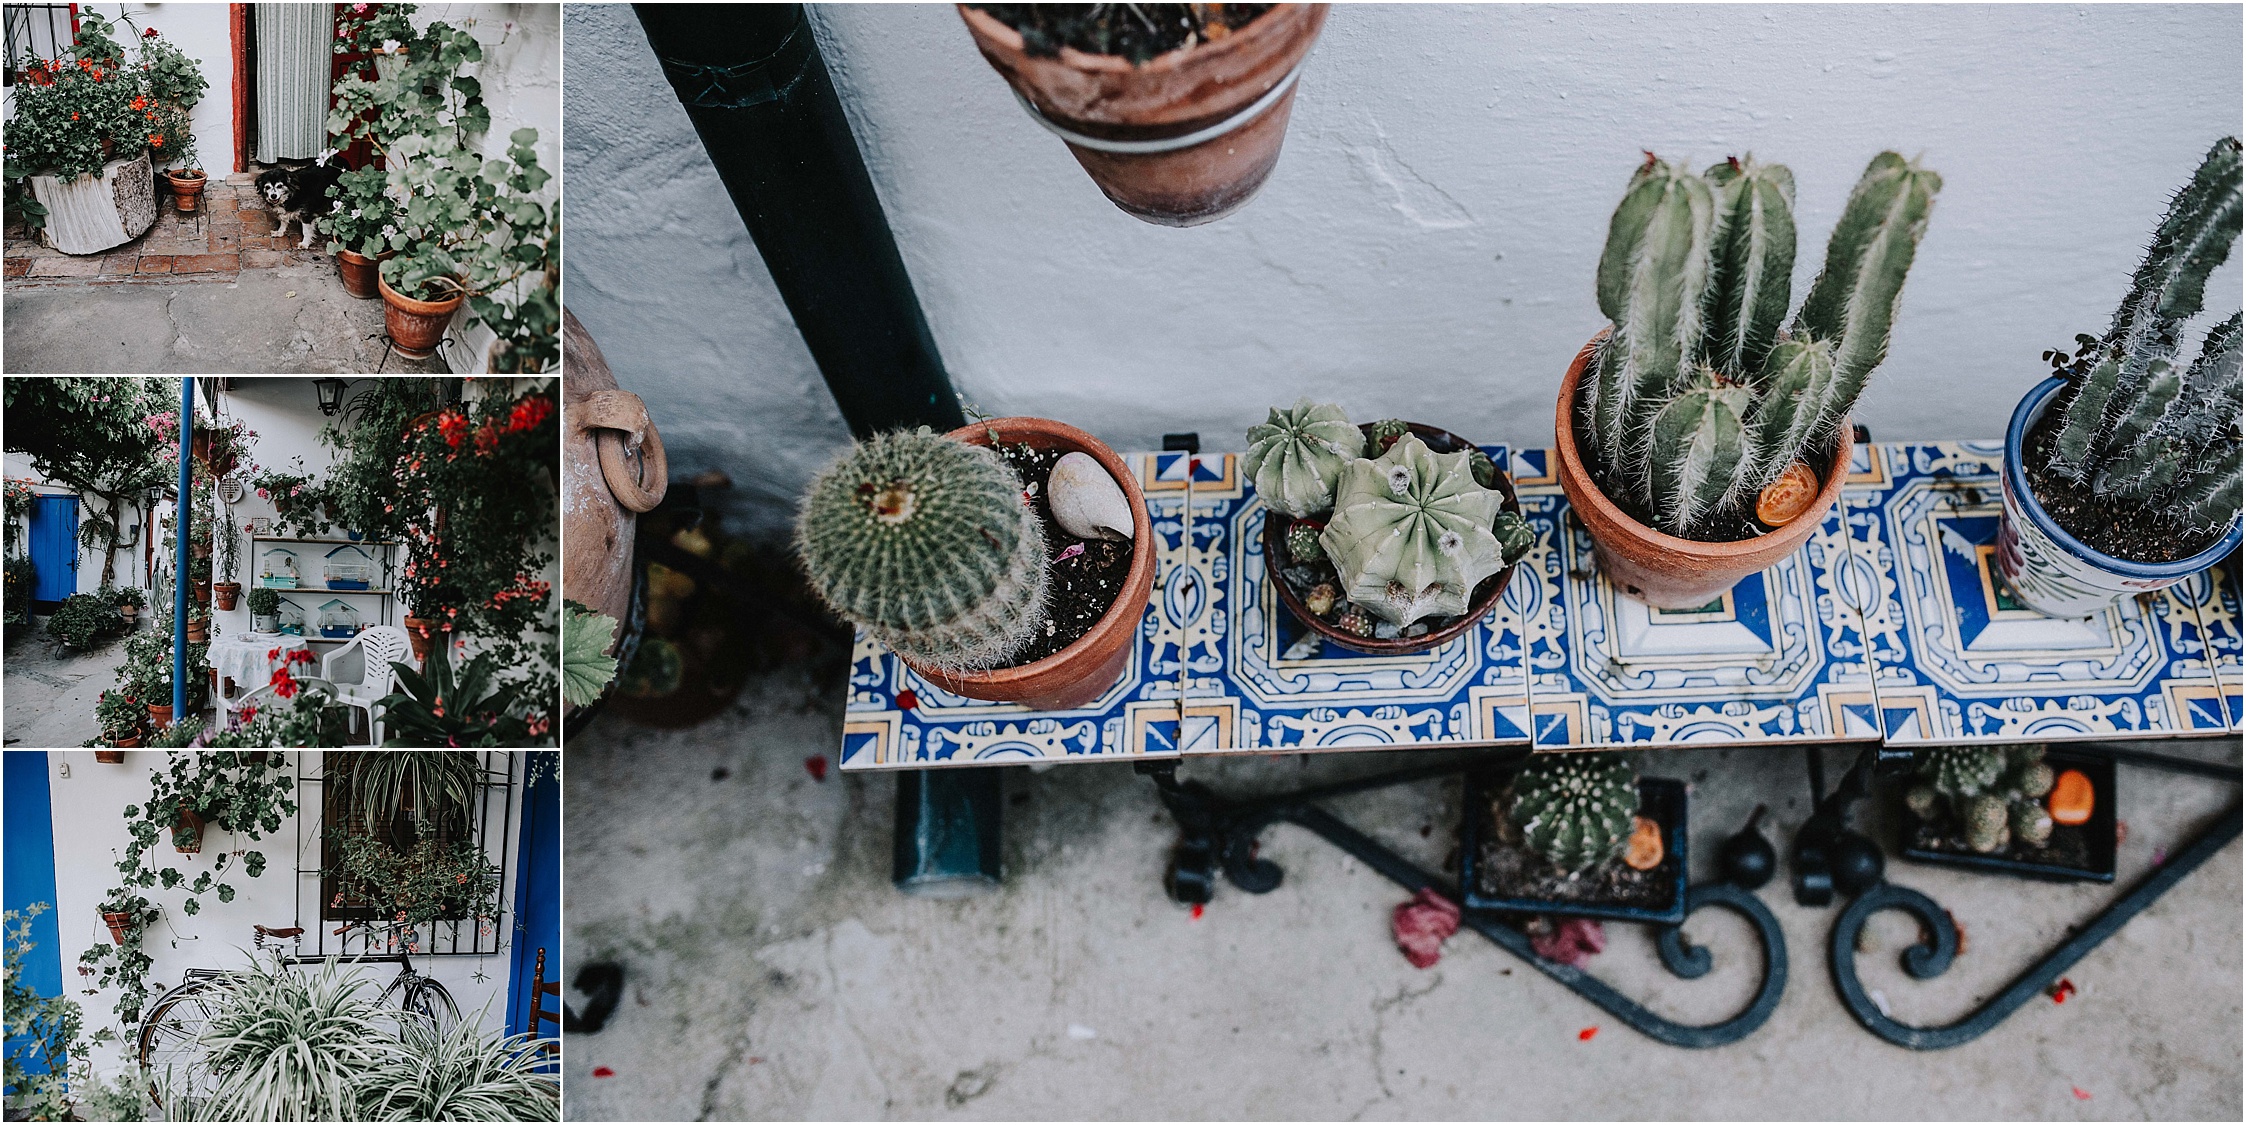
339	619
277	568
348	568
291	618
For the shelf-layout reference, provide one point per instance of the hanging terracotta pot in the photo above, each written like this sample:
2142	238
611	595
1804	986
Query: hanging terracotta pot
225	593
416	327
1181	139
203	590
188	828
114	757
159	717
197	632
118	921
1668	571
362	276
418	634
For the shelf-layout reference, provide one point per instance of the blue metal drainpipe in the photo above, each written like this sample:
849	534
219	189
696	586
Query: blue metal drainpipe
183	519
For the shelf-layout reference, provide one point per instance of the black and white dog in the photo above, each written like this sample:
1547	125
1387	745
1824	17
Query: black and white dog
299	195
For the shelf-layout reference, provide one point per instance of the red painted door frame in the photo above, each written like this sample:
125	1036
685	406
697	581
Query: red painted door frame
239	32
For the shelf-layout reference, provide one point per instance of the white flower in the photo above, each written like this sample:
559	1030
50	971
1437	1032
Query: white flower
388	230
357	213
338	206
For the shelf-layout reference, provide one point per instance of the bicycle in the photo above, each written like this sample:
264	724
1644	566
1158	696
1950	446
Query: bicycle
170	1036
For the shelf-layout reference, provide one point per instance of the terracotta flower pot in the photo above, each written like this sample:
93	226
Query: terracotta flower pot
159	717
187	190
418	632
197	632
1277	523
113	757
1077	674
415	327
362	276
203	591
1185	138
225	593
1667	571
118	920
122	744
128	611
189	826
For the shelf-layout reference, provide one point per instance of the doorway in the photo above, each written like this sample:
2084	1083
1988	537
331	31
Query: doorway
54	550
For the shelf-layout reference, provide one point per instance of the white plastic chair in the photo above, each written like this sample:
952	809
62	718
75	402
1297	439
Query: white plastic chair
362	673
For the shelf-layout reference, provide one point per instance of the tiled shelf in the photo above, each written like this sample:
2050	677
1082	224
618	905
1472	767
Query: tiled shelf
1887	624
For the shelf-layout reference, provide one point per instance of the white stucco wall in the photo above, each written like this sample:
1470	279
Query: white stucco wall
90	836
1426	246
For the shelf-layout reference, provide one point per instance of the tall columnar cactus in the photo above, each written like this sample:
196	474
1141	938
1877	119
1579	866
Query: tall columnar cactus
1411	534
1296	456
1575	809
1991	795
1699	399
2133	426
927	543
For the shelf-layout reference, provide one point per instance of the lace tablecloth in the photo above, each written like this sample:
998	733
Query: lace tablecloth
244	658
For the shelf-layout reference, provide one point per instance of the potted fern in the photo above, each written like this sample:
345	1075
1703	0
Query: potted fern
1010	559
2121	470
1699	441
1390	537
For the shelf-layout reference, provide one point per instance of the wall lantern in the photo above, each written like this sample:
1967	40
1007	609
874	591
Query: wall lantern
331	395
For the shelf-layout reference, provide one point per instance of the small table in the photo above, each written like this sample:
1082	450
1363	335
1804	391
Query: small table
249	659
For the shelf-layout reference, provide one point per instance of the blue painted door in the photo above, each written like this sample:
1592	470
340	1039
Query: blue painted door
54	548
537	924
28	825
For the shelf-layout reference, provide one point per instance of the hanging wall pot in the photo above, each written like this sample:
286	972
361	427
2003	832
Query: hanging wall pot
1182	138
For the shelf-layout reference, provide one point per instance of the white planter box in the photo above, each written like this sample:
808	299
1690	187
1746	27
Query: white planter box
93	213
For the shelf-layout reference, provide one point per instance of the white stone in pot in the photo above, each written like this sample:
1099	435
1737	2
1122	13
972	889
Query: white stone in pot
1086	501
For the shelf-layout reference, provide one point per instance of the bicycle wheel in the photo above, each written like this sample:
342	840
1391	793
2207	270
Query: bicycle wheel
425	998
171	1052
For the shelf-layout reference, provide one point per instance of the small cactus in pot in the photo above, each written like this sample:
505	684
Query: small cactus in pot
2137	456
927	543
1375	536
1576	810
1702	397
1987	796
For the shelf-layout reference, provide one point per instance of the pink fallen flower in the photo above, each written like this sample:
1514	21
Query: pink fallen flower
1570	942
1421	925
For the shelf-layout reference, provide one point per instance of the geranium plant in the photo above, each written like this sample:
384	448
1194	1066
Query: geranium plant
297	499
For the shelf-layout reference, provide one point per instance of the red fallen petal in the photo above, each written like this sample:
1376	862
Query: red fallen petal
2060	991
1571	942
1197	912
1421	925
817	765
906	700
1586	1034
2080	1094
603	1072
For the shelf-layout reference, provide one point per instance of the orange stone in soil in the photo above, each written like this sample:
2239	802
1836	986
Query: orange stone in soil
2072	798
1785	499
1645	845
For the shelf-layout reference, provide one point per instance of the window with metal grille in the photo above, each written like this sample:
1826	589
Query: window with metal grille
338	913
35	31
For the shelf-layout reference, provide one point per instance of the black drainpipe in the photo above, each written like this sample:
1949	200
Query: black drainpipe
753	82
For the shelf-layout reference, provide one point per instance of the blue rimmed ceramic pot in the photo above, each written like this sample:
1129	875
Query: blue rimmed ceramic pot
2050	570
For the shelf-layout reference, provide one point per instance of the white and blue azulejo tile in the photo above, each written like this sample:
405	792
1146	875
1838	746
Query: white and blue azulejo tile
1780	657
897	719
1284	688
1962	660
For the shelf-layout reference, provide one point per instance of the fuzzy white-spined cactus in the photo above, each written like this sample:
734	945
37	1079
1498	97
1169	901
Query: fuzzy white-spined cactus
1410	534
1296	457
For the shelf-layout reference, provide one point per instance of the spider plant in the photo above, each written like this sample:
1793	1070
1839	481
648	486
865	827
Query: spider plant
461	1074
429	786
288	1045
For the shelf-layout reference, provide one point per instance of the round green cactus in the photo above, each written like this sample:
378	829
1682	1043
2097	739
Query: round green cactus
1962	771
1302	544
1411	533
1296	457
927	543
1988	821
2031	823
1575	809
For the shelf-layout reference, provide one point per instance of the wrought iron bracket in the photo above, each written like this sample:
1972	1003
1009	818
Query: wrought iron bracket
1217	833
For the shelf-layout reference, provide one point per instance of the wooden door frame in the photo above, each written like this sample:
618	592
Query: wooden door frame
242	37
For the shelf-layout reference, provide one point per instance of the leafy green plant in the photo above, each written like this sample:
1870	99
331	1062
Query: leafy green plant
429	787
82	620
43	1032
587	667
121	715
263	601
22	577
437	710
461	1073
1699	400
297	498
433	880
286	1045
91	434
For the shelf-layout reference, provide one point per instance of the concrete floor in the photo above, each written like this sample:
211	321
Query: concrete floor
47	695
774	973
289	319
